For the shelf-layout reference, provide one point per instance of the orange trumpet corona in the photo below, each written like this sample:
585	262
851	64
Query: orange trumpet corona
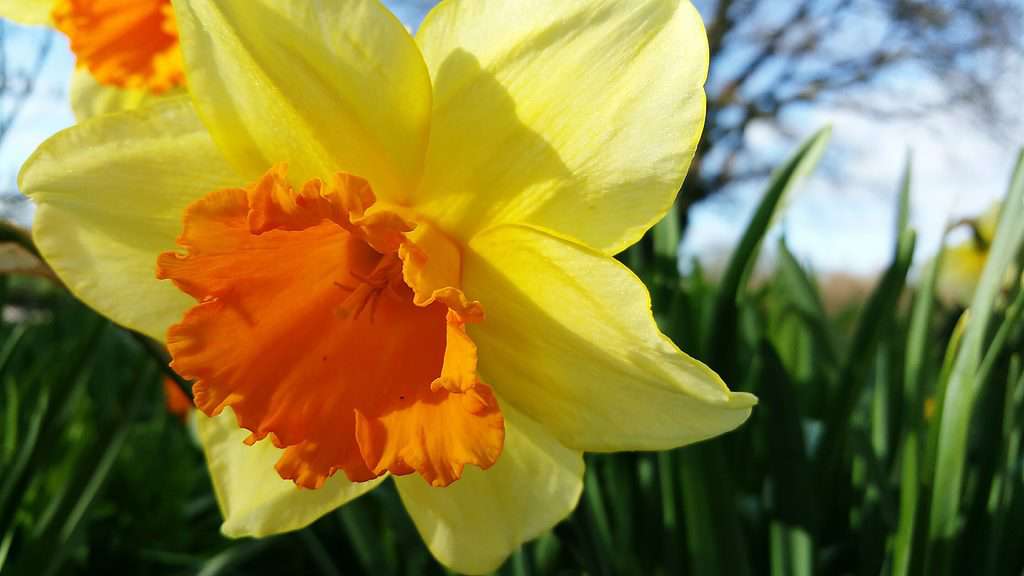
327	326
125	43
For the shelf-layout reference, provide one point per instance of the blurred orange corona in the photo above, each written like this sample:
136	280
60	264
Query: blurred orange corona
130	44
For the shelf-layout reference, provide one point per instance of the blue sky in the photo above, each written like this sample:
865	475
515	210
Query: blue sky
841	220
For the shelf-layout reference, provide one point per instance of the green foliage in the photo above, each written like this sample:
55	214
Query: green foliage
840	470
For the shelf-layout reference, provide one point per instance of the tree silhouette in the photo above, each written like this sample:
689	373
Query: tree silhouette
772	57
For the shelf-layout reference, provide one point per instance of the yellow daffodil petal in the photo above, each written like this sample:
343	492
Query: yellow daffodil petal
580	117
961	270
569	339
323	86
110	194
988	221
474	524
90	98
253	498
27	12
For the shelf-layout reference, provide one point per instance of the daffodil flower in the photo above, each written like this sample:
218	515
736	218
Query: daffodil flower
963	263
127	51
386	256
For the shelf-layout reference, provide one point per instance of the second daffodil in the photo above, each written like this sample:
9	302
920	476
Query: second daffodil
384	256
126	51
964	262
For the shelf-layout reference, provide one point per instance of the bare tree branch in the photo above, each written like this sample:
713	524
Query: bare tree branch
773	56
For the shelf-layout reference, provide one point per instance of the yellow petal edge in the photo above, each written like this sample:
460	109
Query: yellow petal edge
27	12
579	117
474	524
323	86
253	498
109	196
570	340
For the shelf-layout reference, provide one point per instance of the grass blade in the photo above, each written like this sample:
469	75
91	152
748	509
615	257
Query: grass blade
877	315
918	340
720	346
227	561
963	386
709	495
792	546
52	547
803	296
713	535
1003	487
1009	325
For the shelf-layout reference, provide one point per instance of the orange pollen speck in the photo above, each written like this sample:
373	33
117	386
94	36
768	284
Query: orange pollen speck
306	327
125	43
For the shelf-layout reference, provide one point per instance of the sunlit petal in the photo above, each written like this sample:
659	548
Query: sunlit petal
570	340
581	117
90	98
110	194
256	501
323	86
474	524
28	12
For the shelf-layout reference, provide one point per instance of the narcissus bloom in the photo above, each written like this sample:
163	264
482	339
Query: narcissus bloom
127	51
386	256
963	263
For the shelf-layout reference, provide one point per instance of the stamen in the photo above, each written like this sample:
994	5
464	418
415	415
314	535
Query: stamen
368	292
